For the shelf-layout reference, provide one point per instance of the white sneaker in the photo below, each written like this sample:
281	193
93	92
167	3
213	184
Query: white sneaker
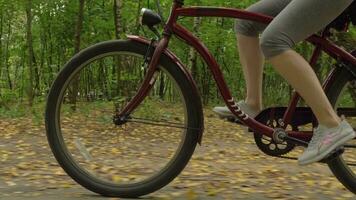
224	112
325	140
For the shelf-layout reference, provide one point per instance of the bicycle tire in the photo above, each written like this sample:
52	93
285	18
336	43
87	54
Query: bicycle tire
175	166
337	165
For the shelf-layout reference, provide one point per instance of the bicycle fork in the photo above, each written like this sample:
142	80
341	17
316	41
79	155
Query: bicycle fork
122	116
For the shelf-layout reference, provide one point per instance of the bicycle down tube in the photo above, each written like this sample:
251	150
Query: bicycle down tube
173	28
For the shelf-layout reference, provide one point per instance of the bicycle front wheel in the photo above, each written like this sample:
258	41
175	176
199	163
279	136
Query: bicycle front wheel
140	156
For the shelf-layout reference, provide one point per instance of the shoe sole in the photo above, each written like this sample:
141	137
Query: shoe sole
224	115
330	149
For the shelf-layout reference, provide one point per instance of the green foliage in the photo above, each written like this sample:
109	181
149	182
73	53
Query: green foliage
53	30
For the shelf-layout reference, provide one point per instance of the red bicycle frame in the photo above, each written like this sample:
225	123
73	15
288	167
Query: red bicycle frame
320	42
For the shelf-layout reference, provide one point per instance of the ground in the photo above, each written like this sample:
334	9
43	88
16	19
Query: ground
228	165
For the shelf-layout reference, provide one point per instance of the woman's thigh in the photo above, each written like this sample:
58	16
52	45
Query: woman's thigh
297	21
266	7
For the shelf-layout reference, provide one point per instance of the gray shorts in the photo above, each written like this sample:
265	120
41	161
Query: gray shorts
295	20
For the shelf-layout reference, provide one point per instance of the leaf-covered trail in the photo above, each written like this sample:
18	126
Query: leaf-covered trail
228	165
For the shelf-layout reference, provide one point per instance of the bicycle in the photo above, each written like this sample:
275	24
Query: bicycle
127	102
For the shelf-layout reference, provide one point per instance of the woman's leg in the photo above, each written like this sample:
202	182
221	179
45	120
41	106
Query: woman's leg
251	57
252	61
300	19
301	76
296	22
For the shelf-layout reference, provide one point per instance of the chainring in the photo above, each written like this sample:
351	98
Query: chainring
266	144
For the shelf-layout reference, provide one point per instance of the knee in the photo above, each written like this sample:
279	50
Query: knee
246	27
273	44
269	45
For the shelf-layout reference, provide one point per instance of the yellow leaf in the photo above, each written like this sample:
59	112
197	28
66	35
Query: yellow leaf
310	182
115	150
116	178
191	195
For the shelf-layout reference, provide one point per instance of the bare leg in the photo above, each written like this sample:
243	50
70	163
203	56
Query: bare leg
252	60
299	74
290	66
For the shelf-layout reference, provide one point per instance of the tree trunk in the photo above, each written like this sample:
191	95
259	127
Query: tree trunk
36	75
7	57
139	6
79	26
50	61
1	53
77	41
30	63
118	18
161	86
1	35
192	53
118	31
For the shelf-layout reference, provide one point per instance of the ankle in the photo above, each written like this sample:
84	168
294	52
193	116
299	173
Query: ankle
331	123
254	105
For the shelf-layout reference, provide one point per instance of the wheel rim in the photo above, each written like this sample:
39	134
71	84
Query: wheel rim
344	100
123	156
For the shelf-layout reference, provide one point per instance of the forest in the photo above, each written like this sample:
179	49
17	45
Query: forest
38	37
94	140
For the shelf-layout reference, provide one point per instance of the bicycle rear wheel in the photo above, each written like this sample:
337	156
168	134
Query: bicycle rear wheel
140	156
342	97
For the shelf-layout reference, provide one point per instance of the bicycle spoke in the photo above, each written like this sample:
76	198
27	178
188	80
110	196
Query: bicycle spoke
152	120
133	149
351	164
350	146
159	123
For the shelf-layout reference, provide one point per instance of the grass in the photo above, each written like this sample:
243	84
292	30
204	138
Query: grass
153	108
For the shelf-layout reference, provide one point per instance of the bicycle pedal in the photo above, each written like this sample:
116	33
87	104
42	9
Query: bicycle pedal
233	120
334	154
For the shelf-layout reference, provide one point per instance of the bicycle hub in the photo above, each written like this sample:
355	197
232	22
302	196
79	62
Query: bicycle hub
120	120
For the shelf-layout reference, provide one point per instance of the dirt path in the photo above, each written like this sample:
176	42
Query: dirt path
227	166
